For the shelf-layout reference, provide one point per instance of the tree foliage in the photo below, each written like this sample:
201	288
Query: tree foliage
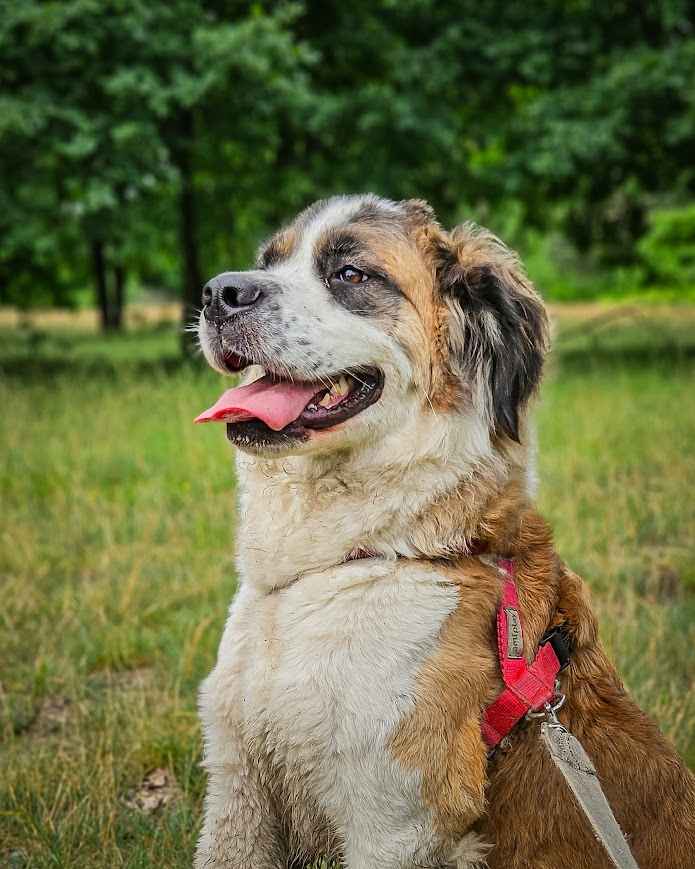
154	142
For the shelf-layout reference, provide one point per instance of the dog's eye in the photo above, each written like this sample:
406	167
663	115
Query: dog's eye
351	275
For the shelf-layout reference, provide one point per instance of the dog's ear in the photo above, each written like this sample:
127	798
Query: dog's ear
498	328
418	211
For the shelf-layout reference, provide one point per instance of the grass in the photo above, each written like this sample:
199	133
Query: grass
116	561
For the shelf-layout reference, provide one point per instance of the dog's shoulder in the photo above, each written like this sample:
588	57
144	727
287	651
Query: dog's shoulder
440	738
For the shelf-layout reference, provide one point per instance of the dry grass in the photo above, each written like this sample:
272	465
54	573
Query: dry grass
87	319
115	558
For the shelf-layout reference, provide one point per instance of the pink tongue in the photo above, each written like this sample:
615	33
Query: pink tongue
276	404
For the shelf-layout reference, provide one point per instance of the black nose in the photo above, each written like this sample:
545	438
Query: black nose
229	293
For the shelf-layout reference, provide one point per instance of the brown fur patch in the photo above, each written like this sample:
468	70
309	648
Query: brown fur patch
495	326
422	327
503	333
442	736
650	791
280	247
531	817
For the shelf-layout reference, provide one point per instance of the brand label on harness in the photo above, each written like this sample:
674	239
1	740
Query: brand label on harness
515	638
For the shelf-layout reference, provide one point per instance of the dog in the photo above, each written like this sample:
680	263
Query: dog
385	466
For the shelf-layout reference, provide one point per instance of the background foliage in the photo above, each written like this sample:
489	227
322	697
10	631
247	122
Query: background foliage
148	144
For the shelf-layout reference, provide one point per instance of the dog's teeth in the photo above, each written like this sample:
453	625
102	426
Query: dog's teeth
338	390
341	388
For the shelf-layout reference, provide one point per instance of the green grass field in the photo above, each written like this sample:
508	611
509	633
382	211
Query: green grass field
116	562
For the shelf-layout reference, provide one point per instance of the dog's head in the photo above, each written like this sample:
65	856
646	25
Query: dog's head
364	312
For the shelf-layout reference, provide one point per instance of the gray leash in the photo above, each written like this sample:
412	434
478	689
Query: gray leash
580	774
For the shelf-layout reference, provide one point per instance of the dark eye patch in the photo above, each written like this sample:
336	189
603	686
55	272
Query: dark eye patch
335	249
376	296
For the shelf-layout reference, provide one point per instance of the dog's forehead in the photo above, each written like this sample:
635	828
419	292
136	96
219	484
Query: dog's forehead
299	243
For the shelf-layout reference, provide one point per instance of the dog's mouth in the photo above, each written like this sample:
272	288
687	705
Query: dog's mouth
274	405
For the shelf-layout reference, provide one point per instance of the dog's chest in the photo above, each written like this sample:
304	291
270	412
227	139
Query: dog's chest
322	672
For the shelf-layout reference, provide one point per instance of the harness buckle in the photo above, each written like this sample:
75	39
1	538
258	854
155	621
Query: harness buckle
559	640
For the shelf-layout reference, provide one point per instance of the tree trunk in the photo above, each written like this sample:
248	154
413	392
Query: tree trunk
100	283
188	231
110	300
118	296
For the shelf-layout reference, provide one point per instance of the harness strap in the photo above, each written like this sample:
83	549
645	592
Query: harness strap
527	686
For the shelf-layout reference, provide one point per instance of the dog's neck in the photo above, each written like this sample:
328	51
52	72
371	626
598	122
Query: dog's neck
420	493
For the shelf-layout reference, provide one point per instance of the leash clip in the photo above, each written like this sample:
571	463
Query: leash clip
551	708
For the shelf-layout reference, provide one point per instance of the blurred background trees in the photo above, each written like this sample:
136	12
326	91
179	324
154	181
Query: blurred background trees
148	144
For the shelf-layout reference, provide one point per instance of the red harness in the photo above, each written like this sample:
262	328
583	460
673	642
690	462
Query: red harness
527	686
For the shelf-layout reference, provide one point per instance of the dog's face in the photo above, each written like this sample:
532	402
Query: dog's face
363	312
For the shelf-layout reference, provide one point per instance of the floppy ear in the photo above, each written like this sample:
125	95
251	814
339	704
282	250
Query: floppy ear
498	328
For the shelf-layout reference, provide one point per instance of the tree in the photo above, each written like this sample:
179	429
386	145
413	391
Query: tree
232	95
600	103
74	147
103	107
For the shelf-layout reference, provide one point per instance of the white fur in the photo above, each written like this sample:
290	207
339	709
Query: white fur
317	676
318	662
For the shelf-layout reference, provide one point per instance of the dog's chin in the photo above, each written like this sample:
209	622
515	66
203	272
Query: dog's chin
255	439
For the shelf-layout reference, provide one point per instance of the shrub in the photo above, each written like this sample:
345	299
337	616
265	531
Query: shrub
668	248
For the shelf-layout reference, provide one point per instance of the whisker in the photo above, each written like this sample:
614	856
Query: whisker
319	379
287	369
429	401
355	377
